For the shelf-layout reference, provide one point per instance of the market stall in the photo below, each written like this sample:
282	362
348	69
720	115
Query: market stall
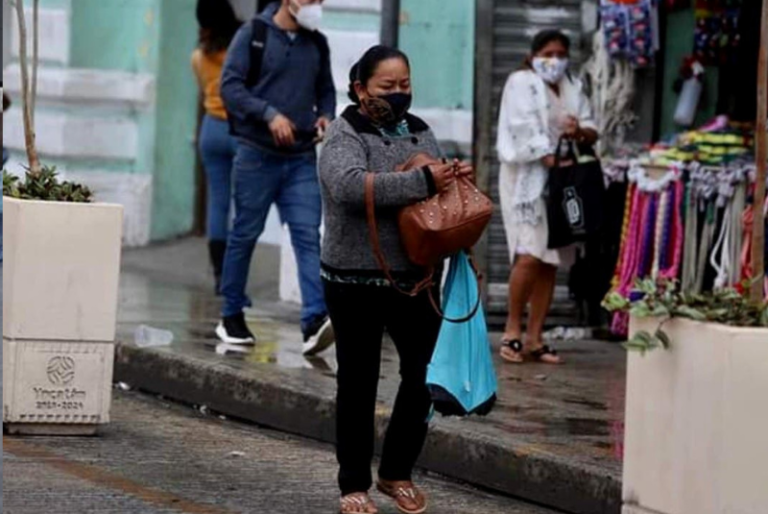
690	200
690	212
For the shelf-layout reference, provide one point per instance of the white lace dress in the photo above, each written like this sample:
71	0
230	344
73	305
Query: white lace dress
530	124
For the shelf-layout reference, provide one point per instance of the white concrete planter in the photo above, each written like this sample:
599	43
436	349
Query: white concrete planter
60	277
696	436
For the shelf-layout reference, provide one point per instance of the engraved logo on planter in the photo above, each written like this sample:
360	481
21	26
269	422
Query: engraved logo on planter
61	370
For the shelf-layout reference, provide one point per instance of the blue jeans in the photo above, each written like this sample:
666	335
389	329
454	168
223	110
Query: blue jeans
291	182
217	150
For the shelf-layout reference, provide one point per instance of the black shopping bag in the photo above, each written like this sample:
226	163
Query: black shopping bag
575	198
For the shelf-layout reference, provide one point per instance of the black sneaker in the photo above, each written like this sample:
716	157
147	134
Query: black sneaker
318	336
234	330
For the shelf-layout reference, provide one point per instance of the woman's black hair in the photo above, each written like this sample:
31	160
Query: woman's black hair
218	25
546	37
366	67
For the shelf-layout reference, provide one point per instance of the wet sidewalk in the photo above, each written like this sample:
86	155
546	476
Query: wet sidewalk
555	436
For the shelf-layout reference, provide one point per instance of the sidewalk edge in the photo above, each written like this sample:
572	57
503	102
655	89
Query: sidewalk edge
483	462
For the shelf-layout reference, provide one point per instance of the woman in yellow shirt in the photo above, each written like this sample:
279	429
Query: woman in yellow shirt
218	25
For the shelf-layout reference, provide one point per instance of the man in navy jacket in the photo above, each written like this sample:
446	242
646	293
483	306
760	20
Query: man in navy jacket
277	112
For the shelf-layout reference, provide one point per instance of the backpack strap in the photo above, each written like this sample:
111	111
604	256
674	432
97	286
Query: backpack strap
258	46
259	30
321	42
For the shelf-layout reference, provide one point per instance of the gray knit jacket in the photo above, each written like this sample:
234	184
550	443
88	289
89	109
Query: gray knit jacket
353	148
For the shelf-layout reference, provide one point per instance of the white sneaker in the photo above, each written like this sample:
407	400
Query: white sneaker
234	330
319	337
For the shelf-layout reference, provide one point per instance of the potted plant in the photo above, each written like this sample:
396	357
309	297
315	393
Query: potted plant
60	279
697	381
695	420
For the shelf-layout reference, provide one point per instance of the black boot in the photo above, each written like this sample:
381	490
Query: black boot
216	250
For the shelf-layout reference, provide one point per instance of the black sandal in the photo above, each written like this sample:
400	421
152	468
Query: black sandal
516	347
546	354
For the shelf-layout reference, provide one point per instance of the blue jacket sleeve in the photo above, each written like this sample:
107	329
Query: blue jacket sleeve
238	99
326	90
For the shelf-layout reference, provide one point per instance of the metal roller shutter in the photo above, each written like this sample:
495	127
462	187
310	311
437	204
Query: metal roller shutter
504	32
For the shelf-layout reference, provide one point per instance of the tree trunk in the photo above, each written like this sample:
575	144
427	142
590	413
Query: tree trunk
26	93
35	54
761	153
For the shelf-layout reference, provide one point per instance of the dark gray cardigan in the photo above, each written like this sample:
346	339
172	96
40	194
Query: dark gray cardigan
353	148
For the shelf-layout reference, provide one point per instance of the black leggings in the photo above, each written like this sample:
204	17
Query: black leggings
360	314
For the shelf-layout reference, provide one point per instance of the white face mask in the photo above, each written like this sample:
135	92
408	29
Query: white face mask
550	69
308	16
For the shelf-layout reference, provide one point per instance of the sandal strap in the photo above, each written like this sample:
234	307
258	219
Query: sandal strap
407	492
544	350
401	490
515	345
356	499
358	503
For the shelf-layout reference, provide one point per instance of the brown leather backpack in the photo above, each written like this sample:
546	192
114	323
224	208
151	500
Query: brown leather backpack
433	229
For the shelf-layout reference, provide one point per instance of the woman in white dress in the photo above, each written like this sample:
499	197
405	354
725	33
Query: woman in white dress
542	102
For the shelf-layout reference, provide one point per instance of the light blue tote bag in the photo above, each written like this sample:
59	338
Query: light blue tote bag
461	376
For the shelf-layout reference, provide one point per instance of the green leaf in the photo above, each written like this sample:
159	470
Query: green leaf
764	317
664	299
615	302
635	347
663	337
643	337
690	312
640	310
647	286
44	186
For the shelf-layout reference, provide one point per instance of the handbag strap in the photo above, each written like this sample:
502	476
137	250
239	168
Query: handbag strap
373	234
474	310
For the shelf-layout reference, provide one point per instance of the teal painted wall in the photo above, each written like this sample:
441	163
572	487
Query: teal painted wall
438	36
360	21
680	35
116	35
174	185
120	35
60	4
154	37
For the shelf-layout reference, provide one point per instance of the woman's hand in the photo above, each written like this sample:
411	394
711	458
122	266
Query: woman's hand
548	161
464	168
573	131
443	174
571	128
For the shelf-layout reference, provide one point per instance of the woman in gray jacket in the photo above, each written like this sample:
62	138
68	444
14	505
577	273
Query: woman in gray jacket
375	135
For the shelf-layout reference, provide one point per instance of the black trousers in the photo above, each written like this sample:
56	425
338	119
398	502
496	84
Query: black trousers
360	314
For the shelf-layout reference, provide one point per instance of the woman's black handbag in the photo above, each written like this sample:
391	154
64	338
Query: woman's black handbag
575	198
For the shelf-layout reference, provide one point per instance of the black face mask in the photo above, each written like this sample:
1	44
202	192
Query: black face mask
388	109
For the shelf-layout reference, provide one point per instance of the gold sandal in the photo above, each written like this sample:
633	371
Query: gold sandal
408	498
357	503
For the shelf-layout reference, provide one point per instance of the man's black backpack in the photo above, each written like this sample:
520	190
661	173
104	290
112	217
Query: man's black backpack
259	30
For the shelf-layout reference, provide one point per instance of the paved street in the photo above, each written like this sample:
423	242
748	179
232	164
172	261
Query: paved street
158	457
555	436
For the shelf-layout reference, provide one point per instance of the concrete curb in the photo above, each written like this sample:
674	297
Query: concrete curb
284	402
